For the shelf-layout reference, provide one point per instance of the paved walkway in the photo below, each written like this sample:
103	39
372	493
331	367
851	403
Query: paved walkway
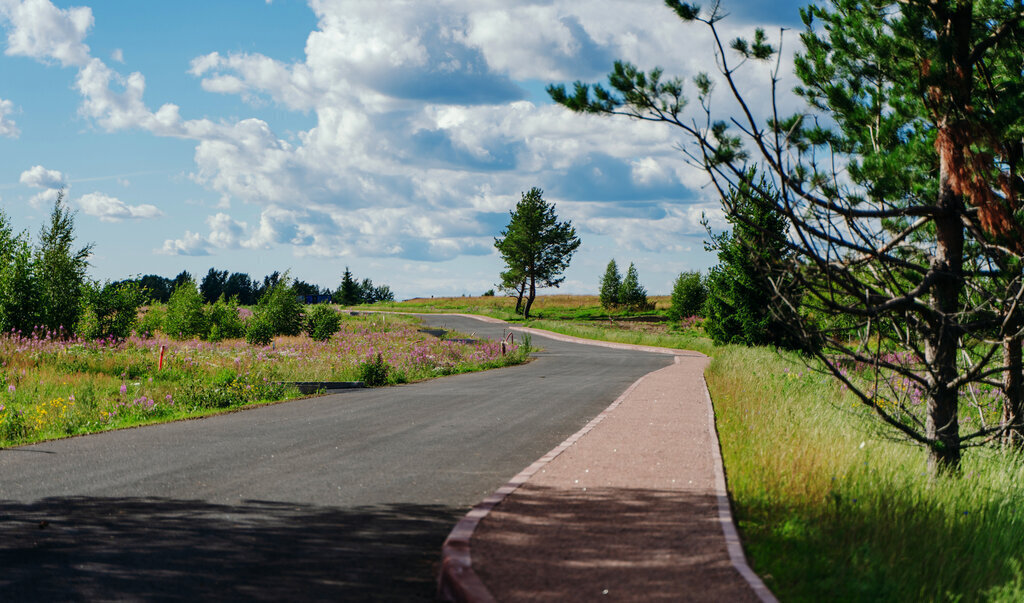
631	508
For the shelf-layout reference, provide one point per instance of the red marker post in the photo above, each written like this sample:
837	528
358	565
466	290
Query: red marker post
160	365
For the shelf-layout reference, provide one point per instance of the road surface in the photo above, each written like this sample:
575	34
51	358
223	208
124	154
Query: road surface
341	497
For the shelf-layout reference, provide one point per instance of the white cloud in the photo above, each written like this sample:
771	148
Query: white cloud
40	177
117	55
40	30
112	209
191	243
7	126
43	198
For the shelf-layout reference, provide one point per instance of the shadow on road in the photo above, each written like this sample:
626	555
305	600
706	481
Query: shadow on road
623	544
157	549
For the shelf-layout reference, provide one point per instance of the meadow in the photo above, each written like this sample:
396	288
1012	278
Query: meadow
829	506
546	307
52	388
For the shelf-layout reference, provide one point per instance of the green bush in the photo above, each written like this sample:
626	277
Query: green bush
322	322
111	310
152	320
185	315
374	372
688	295
260	331
281	306
224	320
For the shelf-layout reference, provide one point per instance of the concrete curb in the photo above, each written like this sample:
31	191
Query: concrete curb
725	518
457	580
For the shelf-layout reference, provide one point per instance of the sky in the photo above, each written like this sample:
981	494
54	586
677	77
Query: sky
390	137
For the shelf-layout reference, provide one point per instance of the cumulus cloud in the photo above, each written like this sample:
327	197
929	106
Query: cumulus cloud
112	209
7	126
191	244
39	177
40	30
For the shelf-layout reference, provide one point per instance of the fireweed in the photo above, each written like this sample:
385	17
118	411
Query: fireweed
57	387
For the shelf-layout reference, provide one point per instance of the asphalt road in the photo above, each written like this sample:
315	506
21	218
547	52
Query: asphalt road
341	497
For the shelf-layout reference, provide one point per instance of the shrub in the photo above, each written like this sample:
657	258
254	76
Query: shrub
111	310
374	372
322	322
260	331
281	306
632	295
152	320
185	316
688	295
225	322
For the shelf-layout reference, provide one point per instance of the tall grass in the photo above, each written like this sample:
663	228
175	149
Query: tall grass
832	510
679	340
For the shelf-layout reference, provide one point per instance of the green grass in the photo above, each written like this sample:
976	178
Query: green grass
830	509
51	389
548	307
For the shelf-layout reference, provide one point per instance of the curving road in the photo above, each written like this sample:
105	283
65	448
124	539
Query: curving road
342	497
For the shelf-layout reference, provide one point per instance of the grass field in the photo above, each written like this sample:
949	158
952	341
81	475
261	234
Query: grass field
550	307
829	507
51	389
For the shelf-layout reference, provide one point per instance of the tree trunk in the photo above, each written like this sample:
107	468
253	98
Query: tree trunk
941	336
519	298
533	296
1013	390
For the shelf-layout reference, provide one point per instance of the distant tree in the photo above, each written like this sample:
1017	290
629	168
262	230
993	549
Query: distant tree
156	287
611	282
488	293
18	294
348	292
304	288
367	292
59	271
181	279
383	293
269	282
213	285
536	245
241	287
632	294
688	295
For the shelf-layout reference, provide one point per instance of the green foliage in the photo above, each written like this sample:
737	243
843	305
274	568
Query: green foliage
632	294
488	293
281	306
739	297
224	320
18	293
688	295
259	331
348	293
186	317
322	322
611	282
152	320
214	285
535	246
59	271
111	310
374	371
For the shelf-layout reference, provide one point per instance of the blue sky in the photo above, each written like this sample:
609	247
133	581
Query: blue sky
391	137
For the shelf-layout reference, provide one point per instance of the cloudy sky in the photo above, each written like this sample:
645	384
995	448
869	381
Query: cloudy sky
392	137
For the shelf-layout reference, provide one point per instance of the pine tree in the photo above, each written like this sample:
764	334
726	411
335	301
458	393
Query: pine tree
348	293
535	245
610	284
632	294
60	271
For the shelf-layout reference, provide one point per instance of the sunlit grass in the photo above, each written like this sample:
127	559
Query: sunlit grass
830	509
565	307
51	388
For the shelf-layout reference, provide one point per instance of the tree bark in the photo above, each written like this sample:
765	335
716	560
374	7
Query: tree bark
1013	390
533	295
519	298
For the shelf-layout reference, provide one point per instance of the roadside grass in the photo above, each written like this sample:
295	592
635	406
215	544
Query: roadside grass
51	389
549	307
675	338
831	509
